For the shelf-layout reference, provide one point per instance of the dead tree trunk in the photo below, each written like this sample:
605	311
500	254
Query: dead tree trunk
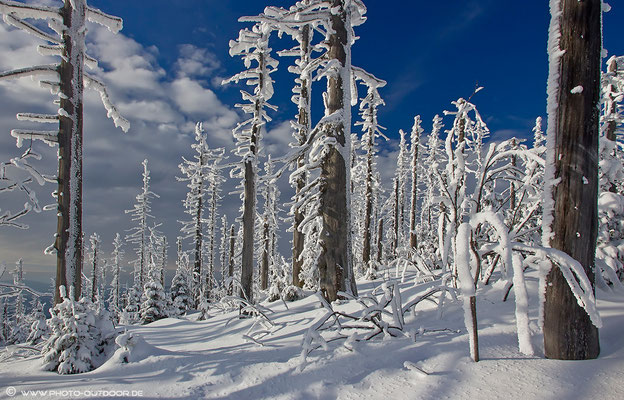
335	269
303	121
231	259
264	265
68	242
94	287
568	330
379	241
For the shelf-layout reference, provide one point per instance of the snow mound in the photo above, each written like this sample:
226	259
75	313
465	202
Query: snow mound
132	348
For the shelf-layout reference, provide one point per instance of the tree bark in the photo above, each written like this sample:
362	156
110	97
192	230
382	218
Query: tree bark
380	241
231	259
68	242
335	269
568	330
264	266
94	276
303	119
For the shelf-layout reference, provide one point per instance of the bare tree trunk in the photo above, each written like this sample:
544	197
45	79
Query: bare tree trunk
568	330
379	241
94	276
231	259
68	242
264	266
249	214
335	269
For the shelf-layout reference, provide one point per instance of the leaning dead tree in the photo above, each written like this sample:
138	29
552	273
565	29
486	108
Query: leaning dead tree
67	79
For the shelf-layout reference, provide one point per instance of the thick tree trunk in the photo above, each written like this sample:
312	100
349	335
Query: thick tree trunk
249	214
68	242
335	269
568	330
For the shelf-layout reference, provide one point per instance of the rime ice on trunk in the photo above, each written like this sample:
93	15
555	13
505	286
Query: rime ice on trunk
70	23
415	139
253	46
573	146
69	227
335	258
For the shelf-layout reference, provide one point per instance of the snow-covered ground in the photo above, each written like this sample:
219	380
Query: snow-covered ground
185	359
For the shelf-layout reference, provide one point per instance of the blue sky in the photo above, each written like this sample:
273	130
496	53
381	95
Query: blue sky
165	67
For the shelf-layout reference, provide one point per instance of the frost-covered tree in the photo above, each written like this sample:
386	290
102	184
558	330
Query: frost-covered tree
95	258
139	235
20	329
204	181
80	336
252	46
570	207
38	327
331	151
180	288
232	259
268	224
413	210
430	209
398	197
300	22
154	306
116	258
610	248
64	38
371	131
224	249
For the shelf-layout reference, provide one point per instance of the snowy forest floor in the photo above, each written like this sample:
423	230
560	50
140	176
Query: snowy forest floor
187	359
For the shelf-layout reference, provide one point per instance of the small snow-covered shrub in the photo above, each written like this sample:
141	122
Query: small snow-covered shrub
38	327
80	336
292	293
155	306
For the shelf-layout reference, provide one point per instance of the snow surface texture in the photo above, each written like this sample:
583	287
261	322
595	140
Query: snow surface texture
211	360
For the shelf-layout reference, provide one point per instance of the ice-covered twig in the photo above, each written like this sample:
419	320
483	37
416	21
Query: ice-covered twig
29	10
11	19
39	70
111	109
114	24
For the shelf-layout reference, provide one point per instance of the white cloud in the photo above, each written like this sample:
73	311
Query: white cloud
196	62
